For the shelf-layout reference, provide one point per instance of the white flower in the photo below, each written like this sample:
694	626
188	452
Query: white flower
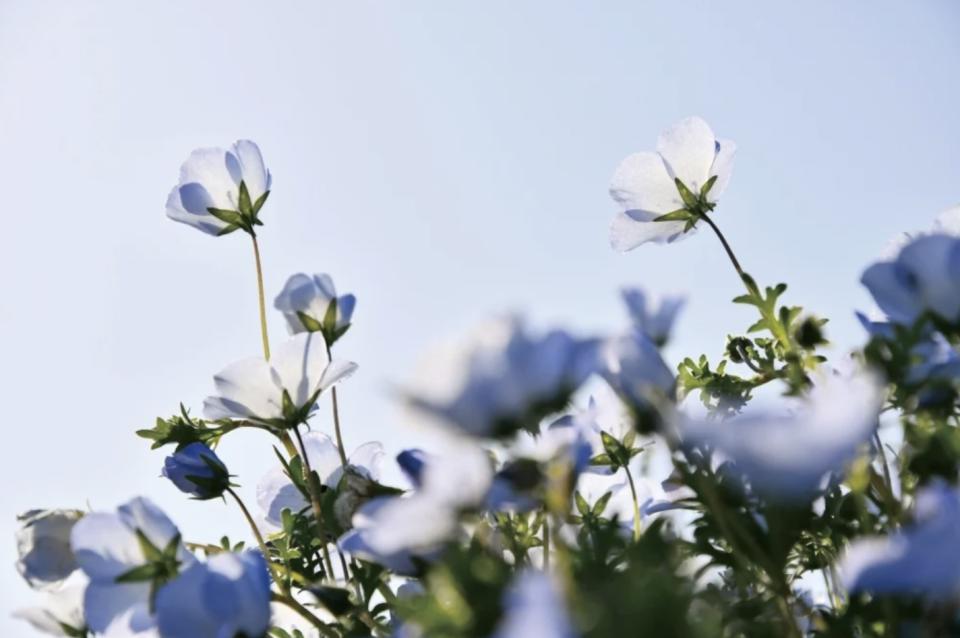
227	596
644	183
393	530
922	559
924	277
254	388
45	559
276	493
653	316
111	545
633	367
311	304
211	178
502	378
534	606
787	457
61	610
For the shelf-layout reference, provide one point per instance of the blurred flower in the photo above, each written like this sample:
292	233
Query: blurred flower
633	367
227	596
503	379
61	613
221	190
411	462
652	316
787	457
127	556
534	606
394	531
605	412
311	304
198	471
282	391
645	184
924	277
922	559
44	557
275	491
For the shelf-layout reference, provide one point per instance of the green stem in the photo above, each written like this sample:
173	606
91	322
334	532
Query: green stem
726	246
263	308
637	529
312	488
546	540
336	418
278	578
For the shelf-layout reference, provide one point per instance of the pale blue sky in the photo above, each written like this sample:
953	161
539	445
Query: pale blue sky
443	160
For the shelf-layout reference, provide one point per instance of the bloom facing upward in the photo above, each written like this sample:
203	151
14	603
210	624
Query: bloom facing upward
198	471
221	190
227	596
502	379
311	304
281	391
45	559
127	555
645	188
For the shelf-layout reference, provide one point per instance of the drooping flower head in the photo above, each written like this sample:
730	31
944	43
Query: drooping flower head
127	555
229	595
684	177
44	556
221	190
786	457
311	304
282	391
197	470
503	378
923	558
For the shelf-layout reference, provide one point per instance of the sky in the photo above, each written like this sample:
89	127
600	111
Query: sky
445	161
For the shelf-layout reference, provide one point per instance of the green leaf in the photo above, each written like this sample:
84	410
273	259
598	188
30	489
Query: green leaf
335	599
601	504
311	324
143	573
231	217
582	506
257	205
675	216
707	186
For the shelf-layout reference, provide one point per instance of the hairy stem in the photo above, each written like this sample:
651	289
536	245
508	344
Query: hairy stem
278	578
313	489
636	505
726	246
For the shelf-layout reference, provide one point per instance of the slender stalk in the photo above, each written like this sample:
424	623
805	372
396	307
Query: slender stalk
891	501
263	308
307	615
723	240
315	503
636	505
278	578
336	418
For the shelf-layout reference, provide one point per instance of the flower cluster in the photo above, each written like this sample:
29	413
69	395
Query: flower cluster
573	487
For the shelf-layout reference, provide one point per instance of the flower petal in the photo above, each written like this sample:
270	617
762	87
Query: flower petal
254	173
631	229
299	365
642	183
722	168
246	388
688	150
104	546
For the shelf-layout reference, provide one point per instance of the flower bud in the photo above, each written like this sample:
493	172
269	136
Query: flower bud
43	547
196	470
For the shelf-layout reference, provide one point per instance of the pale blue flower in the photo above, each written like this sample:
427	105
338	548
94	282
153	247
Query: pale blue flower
502	379
534	606
61	612
44	556
644	186
922	559
227	596
310	303
412	462
924	277
787	457
210	178
393	531
254	388
634	368
197	470
109	547
653	316
275	491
